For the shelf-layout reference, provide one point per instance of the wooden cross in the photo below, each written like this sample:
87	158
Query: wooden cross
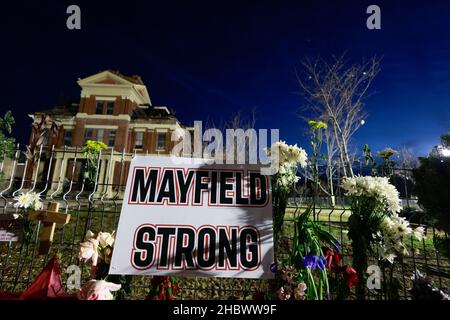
49	219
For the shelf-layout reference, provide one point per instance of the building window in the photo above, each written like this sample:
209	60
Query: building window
110	107
88	134
99	107
161	141
67	138
139	140
112	138
45	140
100	135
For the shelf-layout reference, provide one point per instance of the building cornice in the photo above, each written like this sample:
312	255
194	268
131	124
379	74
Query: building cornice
123	117
153	126
100	126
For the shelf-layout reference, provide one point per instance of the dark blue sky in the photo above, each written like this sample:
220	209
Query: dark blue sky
213	59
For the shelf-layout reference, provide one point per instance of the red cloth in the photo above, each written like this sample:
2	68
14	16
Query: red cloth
47	285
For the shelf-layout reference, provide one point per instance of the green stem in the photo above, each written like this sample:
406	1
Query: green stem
311	282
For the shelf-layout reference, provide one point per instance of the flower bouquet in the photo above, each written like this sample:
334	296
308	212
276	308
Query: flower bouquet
98	248
24	202
289	158
374	226
293	288
308	258
163	288
341	278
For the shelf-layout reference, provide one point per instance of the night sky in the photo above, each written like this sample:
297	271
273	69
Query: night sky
209	60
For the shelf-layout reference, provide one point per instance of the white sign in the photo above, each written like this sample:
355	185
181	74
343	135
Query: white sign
194	219
11	229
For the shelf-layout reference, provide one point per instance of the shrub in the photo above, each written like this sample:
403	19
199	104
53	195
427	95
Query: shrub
432	187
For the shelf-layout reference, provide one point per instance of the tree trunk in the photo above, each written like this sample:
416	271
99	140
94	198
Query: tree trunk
347	158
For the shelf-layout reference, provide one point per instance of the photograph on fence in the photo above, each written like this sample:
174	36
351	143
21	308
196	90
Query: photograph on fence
255	151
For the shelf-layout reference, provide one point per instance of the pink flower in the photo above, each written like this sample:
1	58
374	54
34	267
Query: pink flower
98	290
288	274
282	294
106	239
107	255
88	250
299	291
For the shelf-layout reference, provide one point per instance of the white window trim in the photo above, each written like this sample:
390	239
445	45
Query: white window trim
165	144
102	98
109	137
142	141
103	116
100	126
103	134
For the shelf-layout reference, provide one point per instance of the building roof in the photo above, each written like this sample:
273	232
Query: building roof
136	79
69	109
109	82
151	112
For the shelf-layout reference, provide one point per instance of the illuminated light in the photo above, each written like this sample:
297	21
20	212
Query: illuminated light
445	152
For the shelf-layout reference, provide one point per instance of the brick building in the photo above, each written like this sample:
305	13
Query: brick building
117	110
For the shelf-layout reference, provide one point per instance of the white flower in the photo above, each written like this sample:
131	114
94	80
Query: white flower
375	187
289	158
98	290
38	205
88	250
34	197
97	247
24	200
419	233
89	235
390	237
105	239
28	200
390	257
288	154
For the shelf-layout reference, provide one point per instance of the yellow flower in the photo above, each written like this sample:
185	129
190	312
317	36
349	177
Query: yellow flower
93	147
314	125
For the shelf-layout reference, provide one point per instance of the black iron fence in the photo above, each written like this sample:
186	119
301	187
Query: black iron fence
57	176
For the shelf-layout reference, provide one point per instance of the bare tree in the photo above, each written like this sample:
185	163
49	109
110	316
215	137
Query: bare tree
330	160
335	93
407	159
236	122
45	128
325	159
